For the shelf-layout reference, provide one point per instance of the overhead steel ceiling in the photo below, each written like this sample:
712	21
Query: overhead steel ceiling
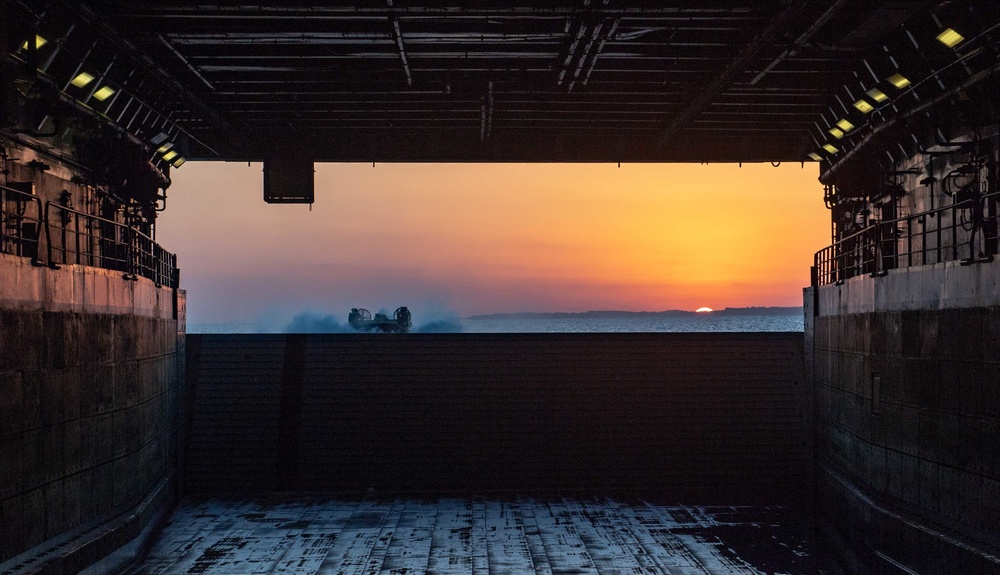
584	80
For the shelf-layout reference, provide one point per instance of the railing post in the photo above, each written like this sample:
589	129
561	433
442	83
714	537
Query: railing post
909	242
128	253
954	232
48	236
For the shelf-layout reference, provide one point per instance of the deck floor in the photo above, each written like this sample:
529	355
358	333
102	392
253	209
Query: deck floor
545	536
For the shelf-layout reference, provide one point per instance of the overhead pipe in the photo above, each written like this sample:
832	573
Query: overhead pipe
600	48
187	63
801	40
738	65
397	35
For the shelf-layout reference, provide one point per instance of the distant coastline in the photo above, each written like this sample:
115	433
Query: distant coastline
729	311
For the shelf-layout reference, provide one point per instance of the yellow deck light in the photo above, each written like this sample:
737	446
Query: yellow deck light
830	148
863	106
39	42
170	155
82	79
836	132
166	146
815	156
898	80
950	37
104	93
845	125
877	95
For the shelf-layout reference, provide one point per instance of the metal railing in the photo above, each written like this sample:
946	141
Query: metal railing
967	231
75	237
20	222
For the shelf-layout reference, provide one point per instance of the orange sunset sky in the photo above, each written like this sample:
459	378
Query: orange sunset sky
485	238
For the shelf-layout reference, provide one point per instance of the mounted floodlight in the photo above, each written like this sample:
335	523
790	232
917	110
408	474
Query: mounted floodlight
845	125
898	80
815	156
877	95
950	38
158	139
39	42
830	148
82	79
166	146
170	155
836	132
104	93
178	161
863	106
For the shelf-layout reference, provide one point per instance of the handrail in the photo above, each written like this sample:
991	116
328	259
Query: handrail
890	244
91	240
19	230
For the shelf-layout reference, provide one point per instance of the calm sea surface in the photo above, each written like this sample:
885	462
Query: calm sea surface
651	324
691	323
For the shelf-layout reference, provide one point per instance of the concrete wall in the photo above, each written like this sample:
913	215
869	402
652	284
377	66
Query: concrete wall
703	416
89	367
907	405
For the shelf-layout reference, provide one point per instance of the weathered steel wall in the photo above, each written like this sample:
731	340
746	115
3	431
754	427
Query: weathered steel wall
89	365
907	406
704	416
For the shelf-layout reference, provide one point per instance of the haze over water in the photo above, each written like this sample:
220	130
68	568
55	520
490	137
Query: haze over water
316	323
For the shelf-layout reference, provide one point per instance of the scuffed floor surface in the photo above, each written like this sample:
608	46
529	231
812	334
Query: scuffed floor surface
307	535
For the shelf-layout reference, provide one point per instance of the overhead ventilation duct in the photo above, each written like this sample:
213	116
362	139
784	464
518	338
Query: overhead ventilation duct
288	177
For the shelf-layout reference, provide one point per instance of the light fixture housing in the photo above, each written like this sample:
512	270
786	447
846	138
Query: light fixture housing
898	80
104	93
82	79
39	42
863	106
877	95
950	38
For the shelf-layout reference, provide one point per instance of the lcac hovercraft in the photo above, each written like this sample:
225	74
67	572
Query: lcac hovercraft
362	320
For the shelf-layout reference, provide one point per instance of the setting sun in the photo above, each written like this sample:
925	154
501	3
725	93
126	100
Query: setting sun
703	310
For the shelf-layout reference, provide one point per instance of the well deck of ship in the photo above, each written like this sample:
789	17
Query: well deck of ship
306	535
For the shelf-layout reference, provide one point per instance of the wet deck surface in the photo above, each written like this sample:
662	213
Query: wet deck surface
545	536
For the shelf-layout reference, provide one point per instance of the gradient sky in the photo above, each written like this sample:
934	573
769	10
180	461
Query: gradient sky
485	238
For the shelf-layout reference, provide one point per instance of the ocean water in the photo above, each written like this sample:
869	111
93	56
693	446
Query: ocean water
683	323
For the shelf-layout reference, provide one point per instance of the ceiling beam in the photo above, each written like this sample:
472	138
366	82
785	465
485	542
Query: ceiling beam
397	38
129	49
739	65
